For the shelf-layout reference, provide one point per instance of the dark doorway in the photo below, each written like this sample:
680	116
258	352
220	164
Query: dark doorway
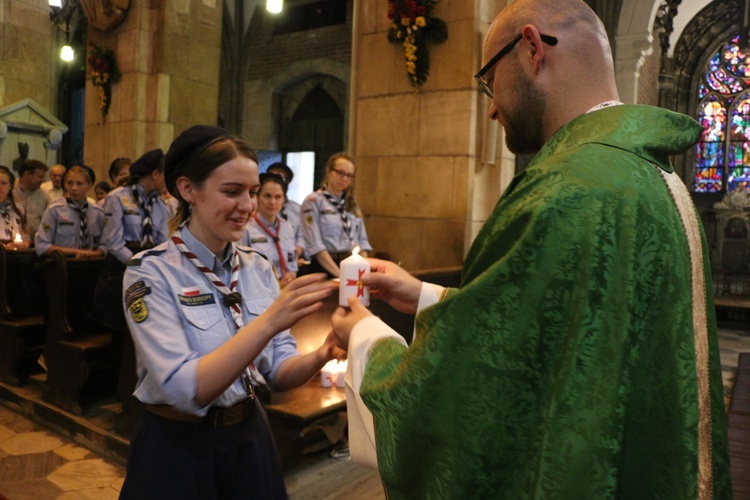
317	125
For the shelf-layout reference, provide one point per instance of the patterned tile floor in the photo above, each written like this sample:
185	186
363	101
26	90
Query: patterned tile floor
36	463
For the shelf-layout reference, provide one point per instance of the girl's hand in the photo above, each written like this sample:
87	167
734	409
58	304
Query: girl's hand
299	298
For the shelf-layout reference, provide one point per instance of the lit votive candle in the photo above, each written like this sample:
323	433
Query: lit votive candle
17	239
352	269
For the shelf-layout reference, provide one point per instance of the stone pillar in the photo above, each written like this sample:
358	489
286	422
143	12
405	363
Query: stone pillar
429	166
168	54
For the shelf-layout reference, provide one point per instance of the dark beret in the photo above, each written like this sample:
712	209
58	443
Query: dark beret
147	163
288	172
188	145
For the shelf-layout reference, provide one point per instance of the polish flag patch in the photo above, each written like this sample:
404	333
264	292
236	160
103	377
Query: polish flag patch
191	291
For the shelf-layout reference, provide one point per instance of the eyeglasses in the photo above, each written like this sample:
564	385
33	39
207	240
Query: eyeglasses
342	174
479	77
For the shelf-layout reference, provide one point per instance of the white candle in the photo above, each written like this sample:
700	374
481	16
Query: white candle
17	239
352	270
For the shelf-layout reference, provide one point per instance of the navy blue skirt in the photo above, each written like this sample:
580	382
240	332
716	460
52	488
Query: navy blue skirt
185	460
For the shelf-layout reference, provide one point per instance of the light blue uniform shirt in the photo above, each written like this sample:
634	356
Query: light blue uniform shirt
254	236
323	229
293	210
61	227
123	221
176	316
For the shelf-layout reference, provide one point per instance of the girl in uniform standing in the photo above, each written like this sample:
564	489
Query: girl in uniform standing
11	215
70	223
135	218
210	327
268	233
331	219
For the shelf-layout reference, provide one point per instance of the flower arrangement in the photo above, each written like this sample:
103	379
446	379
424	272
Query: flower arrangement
413	28
103	72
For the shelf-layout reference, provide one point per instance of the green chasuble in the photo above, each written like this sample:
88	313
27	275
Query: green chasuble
579	357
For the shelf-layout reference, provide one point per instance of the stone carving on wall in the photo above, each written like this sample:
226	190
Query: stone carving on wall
739	199
105	15
30	130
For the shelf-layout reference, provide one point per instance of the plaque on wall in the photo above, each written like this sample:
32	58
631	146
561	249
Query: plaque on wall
105	15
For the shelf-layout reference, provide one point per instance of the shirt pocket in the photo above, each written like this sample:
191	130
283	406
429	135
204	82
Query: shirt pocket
202	317
257	304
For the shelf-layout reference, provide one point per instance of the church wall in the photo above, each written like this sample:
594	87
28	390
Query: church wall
28	53
168	55
648	82
278	61
417	152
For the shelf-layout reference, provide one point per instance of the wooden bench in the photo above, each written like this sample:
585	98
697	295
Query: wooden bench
297	416
22	306
76	350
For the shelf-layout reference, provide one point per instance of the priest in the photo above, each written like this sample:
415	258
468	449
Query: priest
579	357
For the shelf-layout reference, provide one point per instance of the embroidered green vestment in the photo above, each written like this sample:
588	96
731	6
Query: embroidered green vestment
568	365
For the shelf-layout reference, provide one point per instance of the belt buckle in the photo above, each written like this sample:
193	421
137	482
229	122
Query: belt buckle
234	414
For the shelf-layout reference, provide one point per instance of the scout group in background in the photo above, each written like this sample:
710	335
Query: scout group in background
210	327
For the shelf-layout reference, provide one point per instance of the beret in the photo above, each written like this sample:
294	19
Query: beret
147	163
186	146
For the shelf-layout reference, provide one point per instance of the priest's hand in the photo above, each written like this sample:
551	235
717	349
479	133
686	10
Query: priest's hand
343	321
394	285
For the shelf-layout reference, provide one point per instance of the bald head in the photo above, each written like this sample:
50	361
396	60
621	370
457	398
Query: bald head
571	76
579	29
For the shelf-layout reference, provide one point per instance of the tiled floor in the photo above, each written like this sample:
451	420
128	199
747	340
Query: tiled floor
38	464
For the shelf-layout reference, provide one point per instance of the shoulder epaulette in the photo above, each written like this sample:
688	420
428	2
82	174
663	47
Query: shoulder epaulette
245	249
135	262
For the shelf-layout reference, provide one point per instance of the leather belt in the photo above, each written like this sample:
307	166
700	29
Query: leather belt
216	417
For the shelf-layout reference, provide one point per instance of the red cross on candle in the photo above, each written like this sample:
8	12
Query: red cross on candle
358	283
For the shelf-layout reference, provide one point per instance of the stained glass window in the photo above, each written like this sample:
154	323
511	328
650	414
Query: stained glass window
722	159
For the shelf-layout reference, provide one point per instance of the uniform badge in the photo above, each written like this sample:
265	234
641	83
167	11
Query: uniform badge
47	227
259	239
191	291
135	302
309	219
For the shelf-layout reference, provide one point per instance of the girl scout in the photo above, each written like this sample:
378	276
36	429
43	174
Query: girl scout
70	223
11	215
331	220
135	218
210	328
268	233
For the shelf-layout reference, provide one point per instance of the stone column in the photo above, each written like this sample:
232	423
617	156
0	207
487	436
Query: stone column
168	54
429	164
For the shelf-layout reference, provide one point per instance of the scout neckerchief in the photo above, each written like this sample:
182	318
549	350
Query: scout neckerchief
269	231
5	210
83	231
251	379
340	205
147	229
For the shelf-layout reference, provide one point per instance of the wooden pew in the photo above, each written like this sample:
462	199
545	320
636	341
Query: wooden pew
77	350
294	414
22	306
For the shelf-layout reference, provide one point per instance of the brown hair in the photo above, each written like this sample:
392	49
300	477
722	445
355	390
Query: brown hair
349	201
78	169
199	168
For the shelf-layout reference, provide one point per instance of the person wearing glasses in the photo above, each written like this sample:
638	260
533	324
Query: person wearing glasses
331	219
579	356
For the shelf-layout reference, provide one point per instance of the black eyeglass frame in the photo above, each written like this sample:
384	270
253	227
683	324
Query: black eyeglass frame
479	77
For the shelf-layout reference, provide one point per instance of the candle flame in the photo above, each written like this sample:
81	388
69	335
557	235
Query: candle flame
356	250
17	238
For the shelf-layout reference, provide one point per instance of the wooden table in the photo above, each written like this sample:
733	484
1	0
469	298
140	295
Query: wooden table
291	412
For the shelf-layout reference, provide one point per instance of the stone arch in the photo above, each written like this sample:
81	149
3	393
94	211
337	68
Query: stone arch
632	45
